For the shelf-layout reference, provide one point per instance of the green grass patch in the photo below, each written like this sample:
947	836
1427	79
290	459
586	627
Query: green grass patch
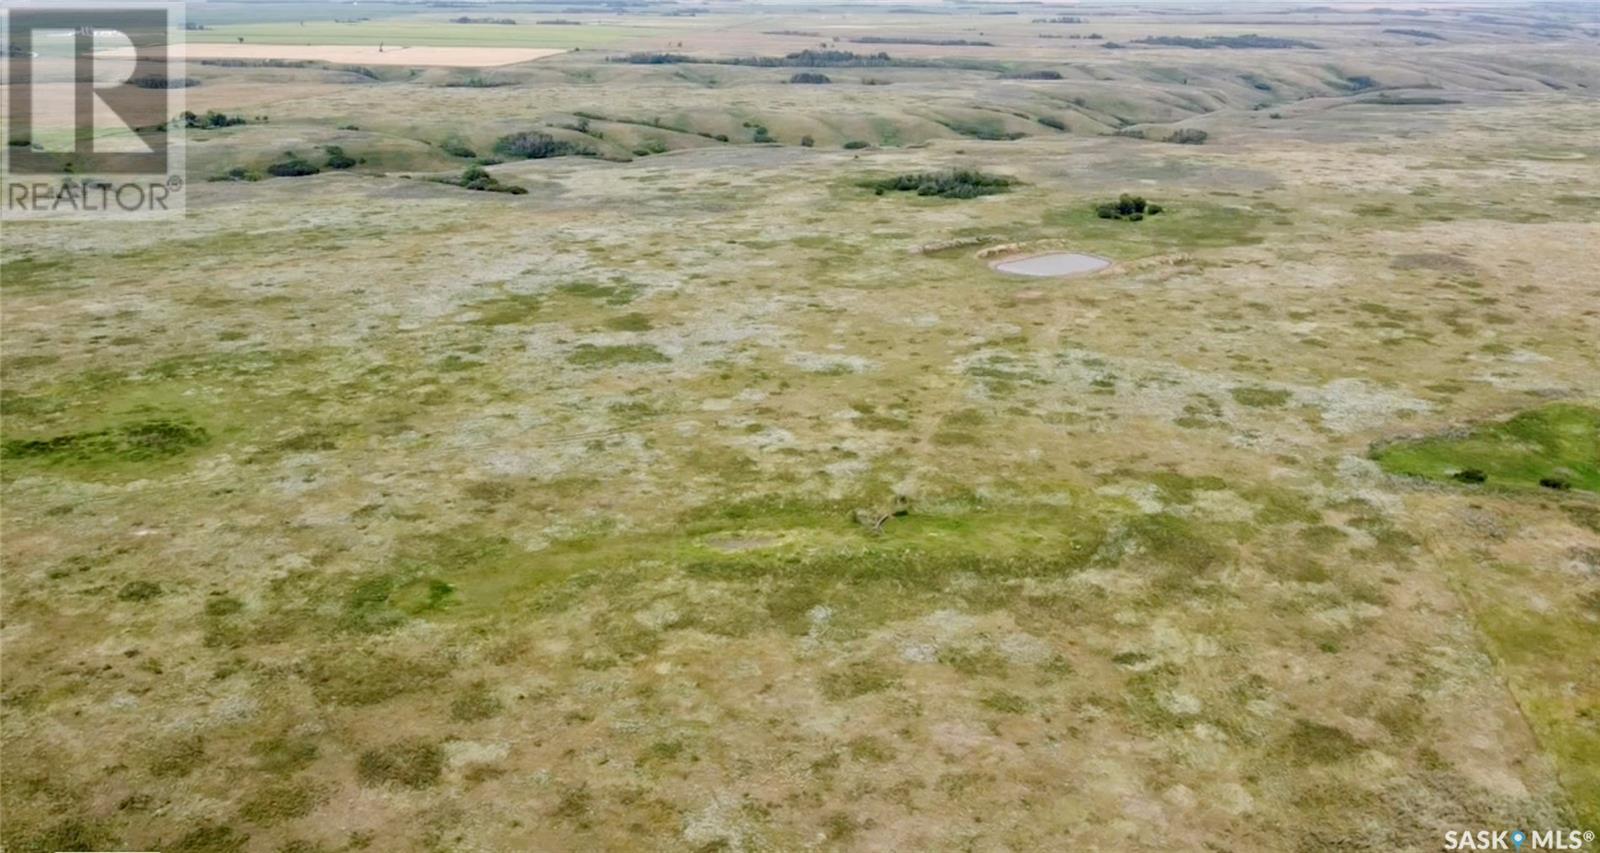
857	679
1553	448
1314	743
1260	398
611	294
1005	703
1548	663
284	754
210	838
139	441
178	758
357	678
380	602
632	322
410	763
1191	226
905	567
280	801
29	273
590	355
973	662
477	702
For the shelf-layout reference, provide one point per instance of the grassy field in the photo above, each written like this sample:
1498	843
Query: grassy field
704	498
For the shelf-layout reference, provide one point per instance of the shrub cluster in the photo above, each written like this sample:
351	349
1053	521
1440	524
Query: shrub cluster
478	178
955	183
1420	34
237	173
1244	42
292	166
1130	207
532	145
456	148
1042	74
803	59
929	41
1181	136
337	159
211	119
811	77
161	81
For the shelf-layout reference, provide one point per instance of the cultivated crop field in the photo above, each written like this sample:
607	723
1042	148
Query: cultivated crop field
369	54
637	448
427	30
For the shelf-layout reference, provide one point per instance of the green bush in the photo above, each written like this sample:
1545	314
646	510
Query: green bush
1244	42
139	591
211	119
955	183
238	173
456	148
160	81
1130	207
478	178
532	145
292	167
337	159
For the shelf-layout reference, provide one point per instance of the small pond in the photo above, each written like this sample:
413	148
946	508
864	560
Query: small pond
1053	264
